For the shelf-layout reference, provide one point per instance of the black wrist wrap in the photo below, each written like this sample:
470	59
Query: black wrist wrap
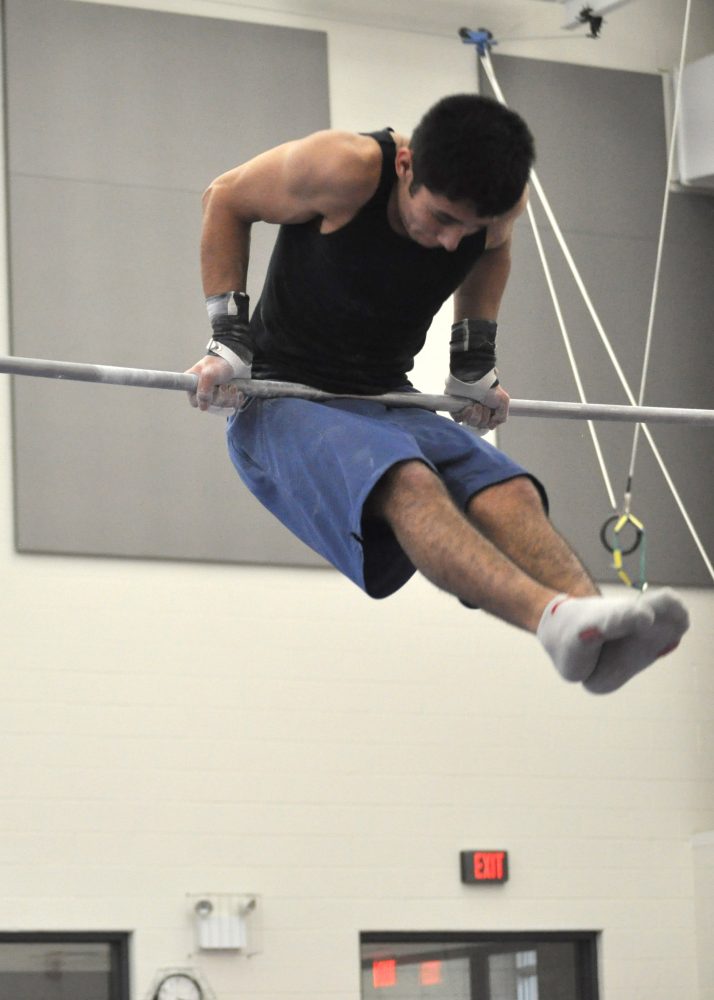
232	328
473	349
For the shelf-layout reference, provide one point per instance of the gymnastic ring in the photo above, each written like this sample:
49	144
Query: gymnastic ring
616	518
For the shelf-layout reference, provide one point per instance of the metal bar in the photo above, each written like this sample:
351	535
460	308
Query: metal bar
551	409
612	412
76	372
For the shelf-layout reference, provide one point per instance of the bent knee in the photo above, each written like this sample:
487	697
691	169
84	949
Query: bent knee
412	476
519	495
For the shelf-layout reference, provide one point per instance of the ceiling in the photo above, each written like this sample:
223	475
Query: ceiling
440	17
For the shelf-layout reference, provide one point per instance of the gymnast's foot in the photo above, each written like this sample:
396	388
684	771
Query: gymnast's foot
605	641
621	659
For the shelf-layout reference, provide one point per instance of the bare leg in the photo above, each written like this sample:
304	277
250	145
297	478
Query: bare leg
451	552
506	558
511	516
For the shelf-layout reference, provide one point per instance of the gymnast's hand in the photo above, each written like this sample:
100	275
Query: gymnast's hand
230	354
486	414
212	392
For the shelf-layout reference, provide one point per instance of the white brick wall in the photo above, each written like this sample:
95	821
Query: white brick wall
703	848
169	729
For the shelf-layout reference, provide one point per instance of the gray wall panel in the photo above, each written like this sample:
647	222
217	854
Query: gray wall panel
103	469
118	119
602	162
600	141
139	97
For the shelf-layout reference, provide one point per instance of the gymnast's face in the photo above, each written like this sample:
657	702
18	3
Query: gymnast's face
430	219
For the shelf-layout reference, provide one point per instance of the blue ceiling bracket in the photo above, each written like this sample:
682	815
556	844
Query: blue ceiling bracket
481	38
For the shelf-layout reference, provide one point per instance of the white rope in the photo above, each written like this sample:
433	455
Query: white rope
488	67
558	233
660	254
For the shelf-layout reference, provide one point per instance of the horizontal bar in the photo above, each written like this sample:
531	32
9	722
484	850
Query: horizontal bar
552	409
612	412
76	372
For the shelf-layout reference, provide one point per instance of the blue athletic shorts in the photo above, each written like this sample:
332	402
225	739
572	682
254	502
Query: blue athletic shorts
313	465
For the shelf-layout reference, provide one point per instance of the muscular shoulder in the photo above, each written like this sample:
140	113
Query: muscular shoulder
329	174
335	171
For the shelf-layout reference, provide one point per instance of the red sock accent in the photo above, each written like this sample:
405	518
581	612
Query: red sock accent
590	634
558	604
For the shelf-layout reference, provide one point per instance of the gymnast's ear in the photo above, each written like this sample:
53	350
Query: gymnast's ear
403	161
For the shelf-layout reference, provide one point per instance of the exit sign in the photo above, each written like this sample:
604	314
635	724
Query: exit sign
484	867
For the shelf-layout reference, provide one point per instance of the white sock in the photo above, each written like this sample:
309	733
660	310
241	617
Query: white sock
621	659
574	630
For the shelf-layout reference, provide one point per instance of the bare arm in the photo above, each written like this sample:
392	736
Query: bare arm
480	294
479	298
328	174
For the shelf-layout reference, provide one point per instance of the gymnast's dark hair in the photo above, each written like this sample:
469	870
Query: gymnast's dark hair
471	148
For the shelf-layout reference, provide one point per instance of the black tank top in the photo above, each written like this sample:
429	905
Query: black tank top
347	311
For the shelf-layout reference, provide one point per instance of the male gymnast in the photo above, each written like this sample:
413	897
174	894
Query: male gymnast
376	231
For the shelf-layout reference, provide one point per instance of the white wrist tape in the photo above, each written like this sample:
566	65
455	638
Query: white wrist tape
240	368
224	304
472	390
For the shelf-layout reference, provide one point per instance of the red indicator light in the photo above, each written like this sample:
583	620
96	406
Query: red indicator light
430	973
384	973
484	866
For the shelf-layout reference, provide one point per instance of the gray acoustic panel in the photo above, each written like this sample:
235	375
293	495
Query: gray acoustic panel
602	160
117	121
136	97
